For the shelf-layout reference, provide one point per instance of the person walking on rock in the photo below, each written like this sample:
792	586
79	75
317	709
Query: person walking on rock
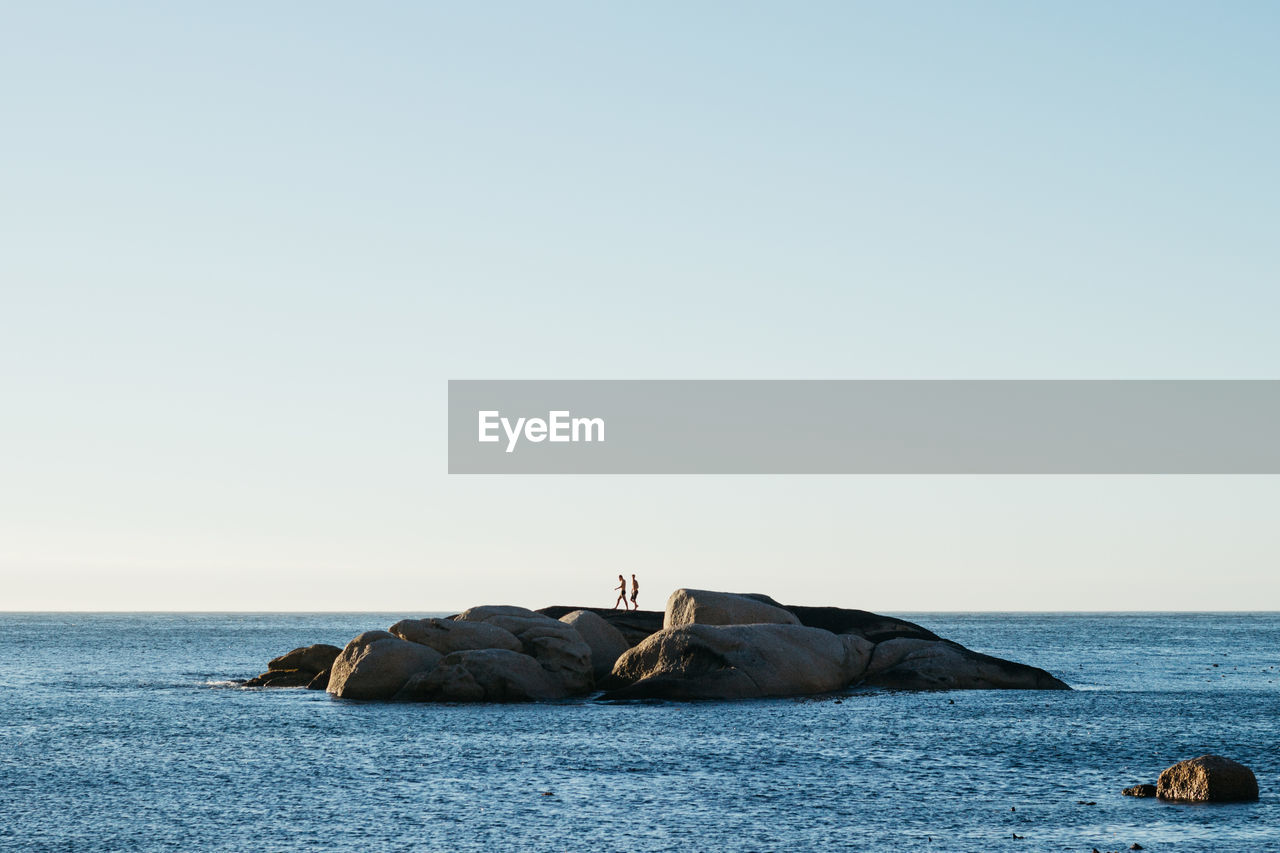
622	594
635	590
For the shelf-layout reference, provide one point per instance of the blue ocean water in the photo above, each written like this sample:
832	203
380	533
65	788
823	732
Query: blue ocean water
121	732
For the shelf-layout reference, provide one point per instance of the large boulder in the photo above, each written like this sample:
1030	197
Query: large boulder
606	642
739	662
451	635
907	664
1208	779
704	607
557	647
376	664
483	675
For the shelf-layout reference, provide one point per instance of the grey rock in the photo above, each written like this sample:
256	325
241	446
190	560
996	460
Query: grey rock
705	607
606	642
310	659
452	635
483	675
1140	791
558	648
739	662
906	664
1208	779
376	664
320	682
635	625
281	678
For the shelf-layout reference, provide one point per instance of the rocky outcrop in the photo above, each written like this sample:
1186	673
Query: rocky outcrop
906	664
1208	779
451	635
298	668
483	675
704	607
376	664
716	645
739	662
557	647
606	642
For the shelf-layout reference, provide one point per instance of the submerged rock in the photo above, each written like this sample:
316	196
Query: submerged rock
483	675
704	607
942	665
739	662
606	642
376	664
1208	779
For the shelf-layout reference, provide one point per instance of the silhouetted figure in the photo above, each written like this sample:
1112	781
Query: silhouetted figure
622	594
635	590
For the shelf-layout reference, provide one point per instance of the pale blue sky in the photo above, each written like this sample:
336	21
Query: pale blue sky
243	247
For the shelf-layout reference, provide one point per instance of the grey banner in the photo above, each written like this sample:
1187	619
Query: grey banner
864	427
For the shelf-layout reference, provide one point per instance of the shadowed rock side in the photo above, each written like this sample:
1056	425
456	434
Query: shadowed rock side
943	665
873	626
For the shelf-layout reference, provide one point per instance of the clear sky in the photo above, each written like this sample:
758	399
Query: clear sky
243	246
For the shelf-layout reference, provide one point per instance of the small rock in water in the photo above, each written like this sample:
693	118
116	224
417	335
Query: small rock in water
1140	791
1135	846
1086	803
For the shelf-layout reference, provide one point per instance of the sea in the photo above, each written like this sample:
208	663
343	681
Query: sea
129	732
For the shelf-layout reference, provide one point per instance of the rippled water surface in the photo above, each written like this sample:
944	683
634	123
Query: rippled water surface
118	732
